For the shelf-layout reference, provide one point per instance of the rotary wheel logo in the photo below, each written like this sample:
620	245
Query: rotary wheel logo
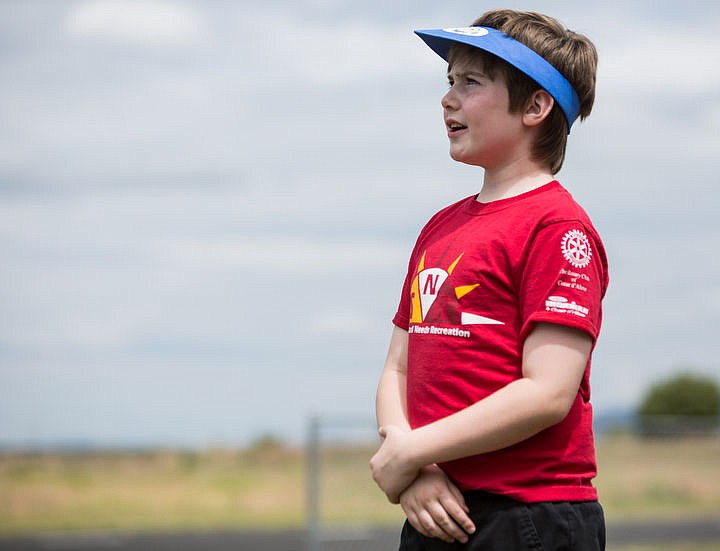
576	248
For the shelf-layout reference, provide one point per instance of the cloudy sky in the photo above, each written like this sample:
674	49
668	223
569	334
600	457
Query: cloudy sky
206	207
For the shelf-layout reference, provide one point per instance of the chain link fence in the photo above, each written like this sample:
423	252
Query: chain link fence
346	512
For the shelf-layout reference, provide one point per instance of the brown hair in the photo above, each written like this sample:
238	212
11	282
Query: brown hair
572	54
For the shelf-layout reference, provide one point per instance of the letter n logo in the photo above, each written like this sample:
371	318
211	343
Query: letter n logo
430	281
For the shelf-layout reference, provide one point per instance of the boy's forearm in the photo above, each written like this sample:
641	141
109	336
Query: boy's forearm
554	361
510	415
390	401
390	405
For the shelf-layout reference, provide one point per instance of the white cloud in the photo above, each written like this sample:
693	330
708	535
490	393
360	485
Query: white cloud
292	255
656	95
339	322
663	61
130	21
347	51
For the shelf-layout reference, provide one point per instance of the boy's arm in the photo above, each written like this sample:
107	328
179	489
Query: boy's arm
433	504
390	402
554	360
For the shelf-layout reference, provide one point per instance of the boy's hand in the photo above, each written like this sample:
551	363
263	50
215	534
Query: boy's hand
436	508
392	468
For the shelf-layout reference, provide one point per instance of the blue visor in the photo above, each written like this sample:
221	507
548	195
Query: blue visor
516	54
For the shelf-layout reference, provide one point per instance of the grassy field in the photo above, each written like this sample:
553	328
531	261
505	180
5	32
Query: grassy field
659	478
265	487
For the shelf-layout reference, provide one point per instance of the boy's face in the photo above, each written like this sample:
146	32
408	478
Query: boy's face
481	129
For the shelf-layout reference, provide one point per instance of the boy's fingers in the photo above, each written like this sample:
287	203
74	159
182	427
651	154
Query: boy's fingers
427	520
457	494
444	521
459	516
425	524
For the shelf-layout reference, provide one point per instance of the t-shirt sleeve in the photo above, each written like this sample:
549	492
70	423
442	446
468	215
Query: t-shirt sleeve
402	316
564	279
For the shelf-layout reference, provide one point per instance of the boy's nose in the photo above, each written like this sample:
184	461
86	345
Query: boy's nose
449	100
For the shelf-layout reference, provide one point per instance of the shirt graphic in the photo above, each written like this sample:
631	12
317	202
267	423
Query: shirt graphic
432	287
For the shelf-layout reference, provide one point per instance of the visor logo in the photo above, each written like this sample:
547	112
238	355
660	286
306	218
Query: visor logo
468	31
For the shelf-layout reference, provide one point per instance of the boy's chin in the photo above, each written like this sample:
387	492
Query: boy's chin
456	155
462	158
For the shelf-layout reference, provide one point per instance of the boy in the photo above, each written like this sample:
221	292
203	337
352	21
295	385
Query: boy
483	403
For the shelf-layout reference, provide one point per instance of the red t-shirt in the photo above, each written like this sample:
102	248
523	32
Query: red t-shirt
479	277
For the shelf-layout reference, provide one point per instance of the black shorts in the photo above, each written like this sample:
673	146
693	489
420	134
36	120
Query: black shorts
503	524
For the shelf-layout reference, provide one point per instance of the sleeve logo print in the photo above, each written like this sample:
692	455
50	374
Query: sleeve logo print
561	305
576	249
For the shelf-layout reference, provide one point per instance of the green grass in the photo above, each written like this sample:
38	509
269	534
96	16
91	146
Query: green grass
150	491
265	488
659	478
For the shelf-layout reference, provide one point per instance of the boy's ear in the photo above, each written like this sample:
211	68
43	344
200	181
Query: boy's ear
538	108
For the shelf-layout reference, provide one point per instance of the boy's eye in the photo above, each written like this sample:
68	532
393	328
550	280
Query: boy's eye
466	81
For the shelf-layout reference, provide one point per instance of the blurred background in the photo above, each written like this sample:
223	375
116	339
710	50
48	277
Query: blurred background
206	207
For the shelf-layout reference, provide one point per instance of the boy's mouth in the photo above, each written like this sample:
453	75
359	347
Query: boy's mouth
454	126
